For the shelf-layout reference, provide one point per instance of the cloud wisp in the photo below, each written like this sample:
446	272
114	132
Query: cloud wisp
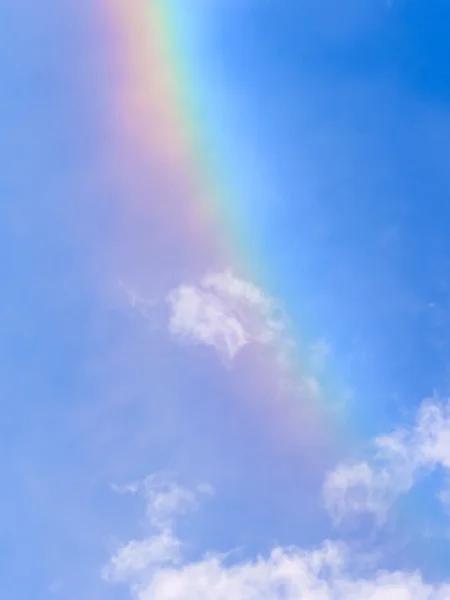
224	312
165	500
227	314
399	460
155	567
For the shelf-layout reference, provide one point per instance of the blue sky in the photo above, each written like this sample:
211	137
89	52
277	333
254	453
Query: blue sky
332	123
359	119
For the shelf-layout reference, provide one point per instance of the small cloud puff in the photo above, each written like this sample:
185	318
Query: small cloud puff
399	459
227	314
224	312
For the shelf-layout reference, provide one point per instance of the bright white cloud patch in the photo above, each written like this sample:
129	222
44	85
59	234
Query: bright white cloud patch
400	458
224	312
324	573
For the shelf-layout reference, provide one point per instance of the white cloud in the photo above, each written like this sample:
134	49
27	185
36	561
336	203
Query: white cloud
227	313
154	569
224	312
284	575
165	499
399	459
137	556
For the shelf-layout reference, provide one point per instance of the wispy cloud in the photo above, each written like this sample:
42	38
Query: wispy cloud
154	568
165	499
224	312
398	461
227	314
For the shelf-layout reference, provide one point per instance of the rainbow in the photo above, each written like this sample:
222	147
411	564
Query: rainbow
155	107
156	114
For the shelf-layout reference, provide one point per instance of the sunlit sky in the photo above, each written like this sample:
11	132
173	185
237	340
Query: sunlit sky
225	303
